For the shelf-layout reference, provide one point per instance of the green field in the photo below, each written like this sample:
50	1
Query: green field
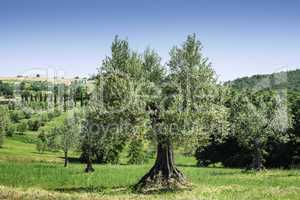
26	174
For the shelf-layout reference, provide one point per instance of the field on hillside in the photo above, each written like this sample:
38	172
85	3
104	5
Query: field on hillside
38	79
26	174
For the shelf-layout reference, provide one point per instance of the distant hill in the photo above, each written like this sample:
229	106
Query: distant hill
289	80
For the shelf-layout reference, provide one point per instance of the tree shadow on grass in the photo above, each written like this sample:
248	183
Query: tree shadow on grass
222	173
187	165
80	189
118	190
41	153
196	166
73	160
92	189
161	191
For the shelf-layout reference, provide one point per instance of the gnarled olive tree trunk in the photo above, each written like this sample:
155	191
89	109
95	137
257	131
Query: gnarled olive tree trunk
164	174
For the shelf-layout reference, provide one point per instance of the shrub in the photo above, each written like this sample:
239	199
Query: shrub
22	126
54	114
11	130
17	115
1	140
4	122
28	113
44	117
34	124
136	152
41	146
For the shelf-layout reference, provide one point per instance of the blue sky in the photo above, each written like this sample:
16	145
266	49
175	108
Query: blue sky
239	37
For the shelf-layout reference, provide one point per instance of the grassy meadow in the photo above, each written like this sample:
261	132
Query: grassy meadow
26	174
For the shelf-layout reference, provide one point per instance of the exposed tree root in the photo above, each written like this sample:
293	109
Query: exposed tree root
164	175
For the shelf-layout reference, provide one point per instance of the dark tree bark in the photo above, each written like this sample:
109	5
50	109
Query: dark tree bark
164	173
55	99
81	99
41	96
26	98
75	100
66	159
89	167
257	163
45	98
65	103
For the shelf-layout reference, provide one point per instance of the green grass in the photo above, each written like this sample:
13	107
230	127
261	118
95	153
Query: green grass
14	149
29	137
25	174
116	181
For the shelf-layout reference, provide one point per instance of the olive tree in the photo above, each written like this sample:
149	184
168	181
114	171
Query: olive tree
68	134
144	99
62	135
102	135
186	105
257	116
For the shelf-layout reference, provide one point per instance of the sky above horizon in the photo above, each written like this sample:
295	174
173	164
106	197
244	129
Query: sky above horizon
240	38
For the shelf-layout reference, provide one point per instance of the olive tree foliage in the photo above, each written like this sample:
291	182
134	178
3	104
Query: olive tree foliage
255	117
62	135
142	98
68	134
136	154
199	98
4	122
112	110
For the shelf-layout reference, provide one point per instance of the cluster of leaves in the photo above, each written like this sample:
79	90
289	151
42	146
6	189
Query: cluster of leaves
136	152
6	89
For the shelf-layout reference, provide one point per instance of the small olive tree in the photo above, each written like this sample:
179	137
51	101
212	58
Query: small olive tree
68	134
4	122
62	135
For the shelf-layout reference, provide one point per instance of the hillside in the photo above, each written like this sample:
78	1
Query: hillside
36	79
289	80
